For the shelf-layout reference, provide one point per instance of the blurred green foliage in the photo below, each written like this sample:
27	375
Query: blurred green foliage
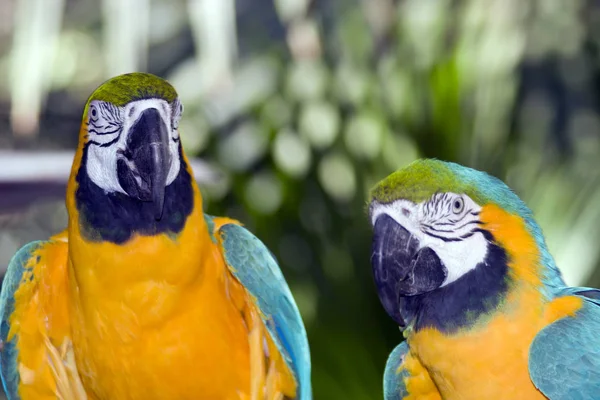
305	123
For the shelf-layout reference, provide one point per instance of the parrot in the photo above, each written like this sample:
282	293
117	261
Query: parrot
462	268
143	295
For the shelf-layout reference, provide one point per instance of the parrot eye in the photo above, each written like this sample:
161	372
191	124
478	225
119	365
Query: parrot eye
458	205
94	112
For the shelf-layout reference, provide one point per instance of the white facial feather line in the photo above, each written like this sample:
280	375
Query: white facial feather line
111	122
459	257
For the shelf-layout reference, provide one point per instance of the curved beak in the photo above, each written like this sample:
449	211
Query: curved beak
400	267
143	167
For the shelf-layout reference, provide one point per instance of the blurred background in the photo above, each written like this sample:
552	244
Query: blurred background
297	107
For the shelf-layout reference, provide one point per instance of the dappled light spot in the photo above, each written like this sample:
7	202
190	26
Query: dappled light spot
292	153
80	65
351	84
398	91
217	189
364	134
264	193
319	123
243	147
307	80
276	113
336	175
194	134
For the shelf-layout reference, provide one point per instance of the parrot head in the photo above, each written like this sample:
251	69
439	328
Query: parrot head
450	243
130	174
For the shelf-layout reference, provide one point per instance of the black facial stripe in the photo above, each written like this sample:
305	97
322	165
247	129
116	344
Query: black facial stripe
451	230
105	112
94	131
447	215
115	114
474	231
451	223
107	144
107	117
108	111
445	239
456	239
444	223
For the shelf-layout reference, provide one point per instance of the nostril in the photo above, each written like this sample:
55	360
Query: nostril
406	212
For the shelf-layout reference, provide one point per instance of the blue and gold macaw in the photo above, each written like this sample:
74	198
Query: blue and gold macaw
462	267
144	296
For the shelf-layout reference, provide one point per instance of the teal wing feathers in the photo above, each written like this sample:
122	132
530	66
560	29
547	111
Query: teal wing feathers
564	358
393	381
254	266
10	284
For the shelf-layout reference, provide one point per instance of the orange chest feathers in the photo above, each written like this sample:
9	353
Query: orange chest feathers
179	334
489	362
144	324
168	337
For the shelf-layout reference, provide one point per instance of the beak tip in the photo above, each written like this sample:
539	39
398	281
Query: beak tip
159	203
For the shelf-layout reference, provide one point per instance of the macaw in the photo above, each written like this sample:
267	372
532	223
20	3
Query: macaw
462	267
144	296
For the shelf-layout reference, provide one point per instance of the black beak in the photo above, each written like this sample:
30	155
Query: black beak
400	268
144	165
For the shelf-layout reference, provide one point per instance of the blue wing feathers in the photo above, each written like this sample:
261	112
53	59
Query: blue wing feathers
255	267
393	382
564	358
10	284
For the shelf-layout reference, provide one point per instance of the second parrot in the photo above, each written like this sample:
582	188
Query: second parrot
463	269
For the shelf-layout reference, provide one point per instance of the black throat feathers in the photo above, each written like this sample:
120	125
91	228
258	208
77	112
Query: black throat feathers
115	217
459	304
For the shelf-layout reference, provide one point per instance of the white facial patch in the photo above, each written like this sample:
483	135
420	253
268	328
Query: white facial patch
447	224
108	127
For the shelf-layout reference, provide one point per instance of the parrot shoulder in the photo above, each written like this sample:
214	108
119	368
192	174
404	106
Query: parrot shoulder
564	357
20	266
404	376
36	347
255	267
393	376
